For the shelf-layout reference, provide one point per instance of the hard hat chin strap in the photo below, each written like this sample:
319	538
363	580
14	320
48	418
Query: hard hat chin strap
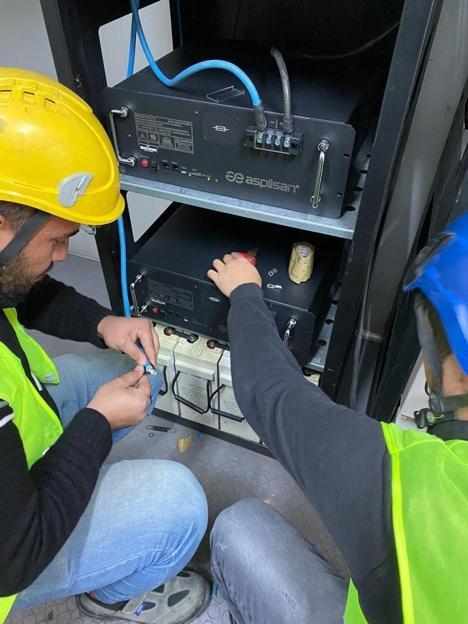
23	236
441	409
428	344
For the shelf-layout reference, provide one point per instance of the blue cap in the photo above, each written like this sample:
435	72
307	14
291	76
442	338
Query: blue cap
442	277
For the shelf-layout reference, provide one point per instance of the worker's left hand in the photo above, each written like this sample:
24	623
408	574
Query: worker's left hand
123	334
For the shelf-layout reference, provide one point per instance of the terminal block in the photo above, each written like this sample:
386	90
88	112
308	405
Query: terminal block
273	140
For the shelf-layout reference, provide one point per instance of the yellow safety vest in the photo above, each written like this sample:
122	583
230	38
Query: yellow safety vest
38	425
430	526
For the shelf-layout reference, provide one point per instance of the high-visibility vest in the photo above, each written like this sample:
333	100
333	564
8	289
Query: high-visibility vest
430	527
37	423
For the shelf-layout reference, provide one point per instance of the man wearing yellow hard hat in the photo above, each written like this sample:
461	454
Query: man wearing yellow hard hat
117	536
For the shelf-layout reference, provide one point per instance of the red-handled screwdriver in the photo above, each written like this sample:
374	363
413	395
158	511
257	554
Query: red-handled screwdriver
250	255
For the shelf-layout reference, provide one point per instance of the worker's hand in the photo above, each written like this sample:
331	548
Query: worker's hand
125	400
232	271
123	334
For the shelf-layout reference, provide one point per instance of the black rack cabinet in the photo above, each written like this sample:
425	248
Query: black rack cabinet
408	179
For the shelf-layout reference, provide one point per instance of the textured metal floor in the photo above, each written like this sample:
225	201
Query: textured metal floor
226	471
65	612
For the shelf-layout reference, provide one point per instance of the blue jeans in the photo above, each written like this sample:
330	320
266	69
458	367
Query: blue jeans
268	573
144	521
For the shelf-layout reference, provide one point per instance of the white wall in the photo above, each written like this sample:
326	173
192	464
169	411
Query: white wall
24	43
156	20
23	37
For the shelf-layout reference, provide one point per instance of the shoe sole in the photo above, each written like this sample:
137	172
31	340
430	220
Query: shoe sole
101	616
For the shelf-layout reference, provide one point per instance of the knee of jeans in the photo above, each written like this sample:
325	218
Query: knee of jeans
179	492
187	498
192	506
233	533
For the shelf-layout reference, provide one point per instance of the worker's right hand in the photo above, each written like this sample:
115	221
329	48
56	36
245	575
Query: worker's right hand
233	271
125	400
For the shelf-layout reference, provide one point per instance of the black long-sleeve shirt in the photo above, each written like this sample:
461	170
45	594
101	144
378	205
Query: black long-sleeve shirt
40	507
337	456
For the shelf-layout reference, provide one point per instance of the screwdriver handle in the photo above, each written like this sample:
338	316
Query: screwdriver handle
247	256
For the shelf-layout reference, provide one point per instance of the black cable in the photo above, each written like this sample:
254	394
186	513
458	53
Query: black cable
342	55
188	403
218	412
213	394
236	20
283	70
164	392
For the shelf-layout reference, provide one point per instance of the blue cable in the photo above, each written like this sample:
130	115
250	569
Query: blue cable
123	267
120	221
149	368
193	69
131	52
137	29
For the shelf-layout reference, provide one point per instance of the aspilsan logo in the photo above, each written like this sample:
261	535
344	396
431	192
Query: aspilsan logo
264	183
233	176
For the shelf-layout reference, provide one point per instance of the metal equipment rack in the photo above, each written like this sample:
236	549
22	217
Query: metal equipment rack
371	347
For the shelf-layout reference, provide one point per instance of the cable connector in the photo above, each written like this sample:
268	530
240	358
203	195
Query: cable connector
260	117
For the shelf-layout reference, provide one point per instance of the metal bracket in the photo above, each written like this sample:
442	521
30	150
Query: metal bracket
322	148
289	332
120	112
137	279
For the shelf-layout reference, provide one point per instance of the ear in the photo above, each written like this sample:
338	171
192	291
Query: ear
6	232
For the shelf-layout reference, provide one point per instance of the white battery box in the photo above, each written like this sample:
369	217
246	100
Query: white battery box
226	403
167	344
196	372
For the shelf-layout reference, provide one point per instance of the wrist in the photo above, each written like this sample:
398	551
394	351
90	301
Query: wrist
101	325
246	289
96	407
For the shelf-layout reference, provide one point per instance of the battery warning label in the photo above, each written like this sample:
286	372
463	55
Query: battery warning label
160	292
163	132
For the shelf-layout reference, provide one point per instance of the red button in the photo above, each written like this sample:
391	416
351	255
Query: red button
145	163
154	309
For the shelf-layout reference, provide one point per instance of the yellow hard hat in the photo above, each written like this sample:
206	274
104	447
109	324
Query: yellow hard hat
55	155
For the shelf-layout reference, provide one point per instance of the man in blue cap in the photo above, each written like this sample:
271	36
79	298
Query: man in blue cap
395	502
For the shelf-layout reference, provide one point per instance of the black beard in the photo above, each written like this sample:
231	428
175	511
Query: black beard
13	297
15	282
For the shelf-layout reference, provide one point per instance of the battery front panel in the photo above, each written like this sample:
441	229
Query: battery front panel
200	308
170	143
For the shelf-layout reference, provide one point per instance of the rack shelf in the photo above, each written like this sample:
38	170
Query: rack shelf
340	228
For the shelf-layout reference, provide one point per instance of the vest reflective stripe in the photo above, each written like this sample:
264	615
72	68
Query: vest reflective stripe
429	513
38	425
6	419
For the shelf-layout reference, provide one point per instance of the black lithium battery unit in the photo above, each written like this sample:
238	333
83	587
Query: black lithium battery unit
201	134
168	275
